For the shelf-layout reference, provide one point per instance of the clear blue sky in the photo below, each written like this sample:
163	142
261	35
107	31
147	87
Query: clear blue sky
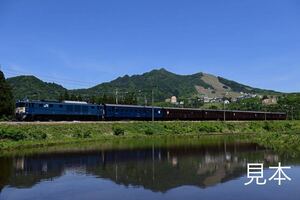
80	43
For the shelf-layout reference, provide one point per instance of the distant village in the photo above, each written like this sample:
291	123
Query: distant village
266	100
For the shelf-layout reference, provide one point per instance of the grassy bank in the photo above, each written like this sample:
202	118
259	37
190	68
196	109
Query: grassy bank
280	135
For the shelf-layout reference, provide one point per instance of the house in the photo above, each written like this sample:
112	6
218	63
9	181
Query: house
174	99
269	101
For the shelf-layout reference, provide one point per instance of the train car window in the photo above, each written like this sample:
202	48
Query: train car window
93	107
40	105
61	106
50	105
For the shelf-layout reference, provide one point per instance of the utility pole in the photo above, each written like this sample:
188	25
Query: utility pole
152	106
265	116
292	113
138	97
117	96
145	100
224	99
224	110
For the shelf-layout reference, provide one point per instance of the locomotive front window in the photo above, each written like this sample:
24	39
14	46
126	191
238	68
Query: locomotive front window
20	105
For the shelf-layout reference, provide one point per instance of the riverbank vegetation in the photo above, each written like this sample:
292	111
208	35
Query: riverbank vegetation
279	135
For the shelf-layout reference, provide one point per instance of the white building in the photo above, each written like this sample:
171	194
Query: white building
173	99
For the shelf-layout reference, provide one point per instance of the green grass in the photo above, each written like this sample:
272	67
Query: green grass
280	135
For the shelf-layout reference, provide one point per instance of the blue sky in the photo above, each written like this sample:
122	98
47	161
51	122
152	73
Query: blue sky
79	43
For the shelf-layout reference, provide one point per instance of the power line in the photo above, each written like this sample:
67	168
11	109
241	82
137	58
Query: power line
120	91
49	78
54	79
115	93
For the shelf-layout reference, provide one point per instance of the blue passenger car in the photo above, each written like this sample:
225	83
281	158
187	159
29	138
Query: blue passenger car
53	110
121	112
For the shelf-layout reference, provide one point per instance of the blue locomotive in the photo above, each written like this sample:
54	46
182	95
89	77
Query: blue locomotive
54	110
75	110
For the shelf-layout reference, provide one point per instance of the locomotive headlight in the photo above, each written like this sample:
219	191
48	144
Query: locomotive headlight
20	110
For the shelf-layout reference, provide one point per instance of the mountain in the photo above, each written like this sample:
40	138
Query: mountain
166	84
34	88
163	83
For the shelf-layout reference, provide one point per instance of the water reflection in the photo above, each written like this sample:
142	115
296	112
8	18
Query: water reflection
155	168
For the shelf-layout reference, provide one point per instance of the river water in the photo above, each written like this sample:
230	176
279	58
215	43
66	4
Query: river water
188	169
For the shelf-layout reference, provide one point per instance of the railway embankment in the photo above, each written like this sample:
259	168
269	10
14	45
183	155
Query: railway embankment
278	135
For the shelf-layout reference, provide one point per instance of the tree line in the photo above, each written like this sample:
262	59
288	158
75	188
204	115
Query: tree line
7	103
129	98
288	103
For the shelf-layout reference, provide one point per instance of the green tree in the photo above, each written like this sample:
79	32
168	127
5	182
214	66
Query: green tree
73	97
290	104
130	98
79	98
66	95
246	104
7	103
61	97
92	99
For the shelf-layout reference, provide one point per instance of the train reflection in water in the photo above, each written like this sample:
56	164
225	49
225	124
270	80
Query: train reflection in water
157	169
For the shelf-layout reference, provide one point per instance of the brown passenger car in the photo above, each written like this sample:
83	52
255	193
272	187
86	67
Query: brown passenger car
230	115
